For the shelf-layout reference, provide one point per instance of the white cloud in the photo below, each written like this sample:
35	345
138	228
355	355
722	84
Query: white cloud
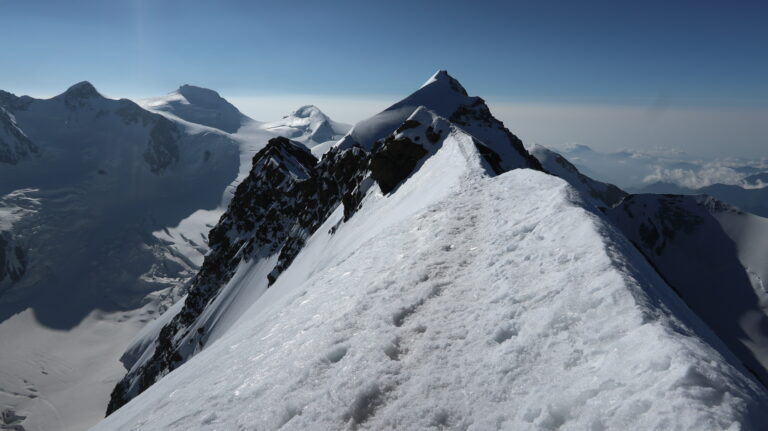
706	174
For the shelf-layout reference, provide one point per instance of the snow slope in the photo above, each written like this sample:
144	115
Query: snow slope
715	257
77	217
461	301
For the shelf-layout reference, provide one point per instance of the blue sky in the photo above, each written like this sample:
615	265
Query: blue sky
660	54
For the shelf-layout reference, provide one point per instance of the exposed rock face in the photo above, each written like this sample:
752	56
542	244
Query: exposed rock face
394	160
475	115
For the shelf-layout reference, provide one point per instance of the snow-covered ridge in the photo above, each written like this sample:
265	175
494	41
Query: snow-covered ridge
460	301
409	280
603	195
711	253
296	208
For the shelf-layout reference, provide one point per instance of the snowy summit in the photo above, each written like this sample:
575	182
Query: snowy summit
199	105
308	125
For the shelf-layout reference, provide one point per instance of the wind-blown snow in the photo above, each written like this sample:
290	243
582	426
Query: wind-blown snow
460	301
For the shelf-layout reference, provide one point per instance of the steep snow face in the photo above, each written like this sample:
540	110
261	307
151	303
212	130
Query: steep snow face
460	301
308	125
199	105
603	195
715	257
14	144
443	95
80	263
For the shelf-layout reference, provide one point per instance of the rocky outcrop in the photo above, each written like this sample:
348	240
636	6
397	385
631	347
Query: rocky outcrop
394	160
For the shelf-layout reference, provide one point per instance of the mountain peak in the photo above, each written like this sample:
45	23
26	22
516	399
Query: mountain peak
199	105
308	125
82	90
201	96
307	111
443	79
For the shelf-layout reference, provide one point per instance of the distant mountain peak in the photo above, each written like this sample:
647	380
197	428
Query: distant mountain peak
307	111
199	105
308	125
83	90
442	78
201	96
79	95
